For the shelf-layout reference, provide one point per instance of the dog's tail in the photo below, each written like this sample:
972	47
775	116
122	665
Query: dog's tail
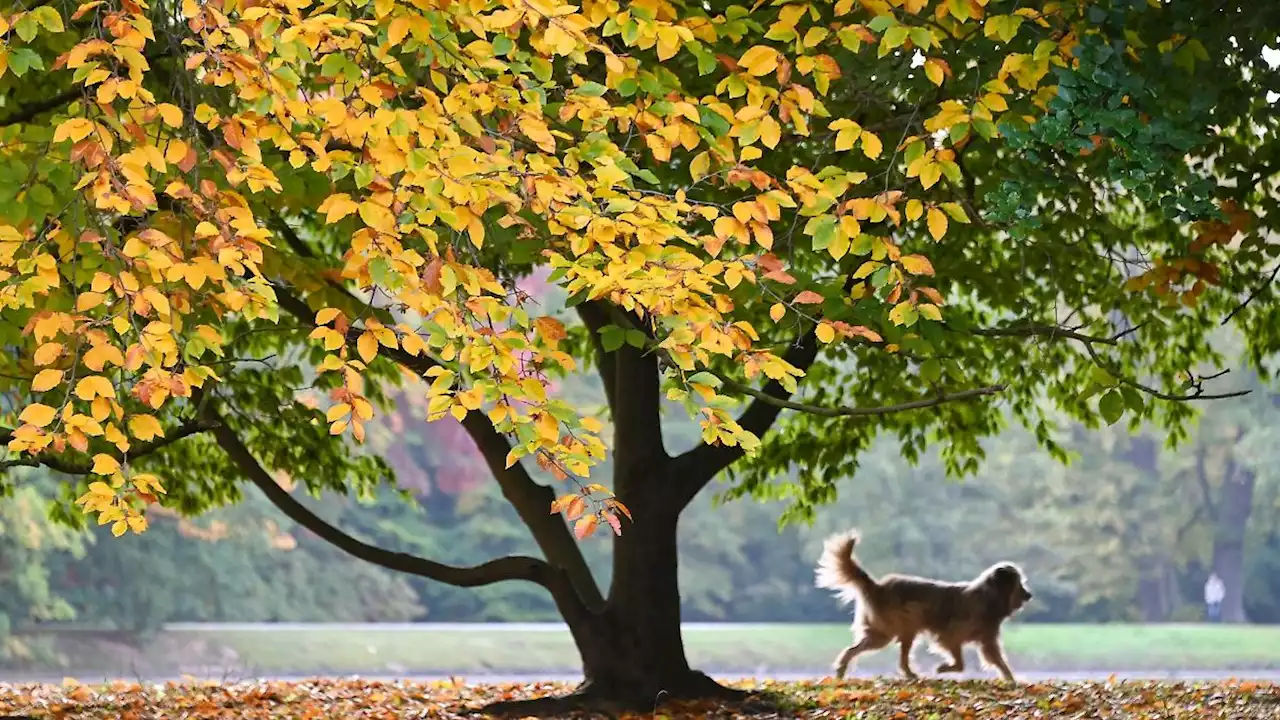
838	569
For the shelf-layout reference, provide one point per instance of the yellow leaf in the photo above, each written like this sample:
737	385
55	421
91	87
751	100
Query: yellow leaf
377	217
145	427
933	71
826	333
937	223
327	315
916	264
338	412
700	166
777	311
46	380
770	132
119	528
915	209
89	300
47	353
367	346
38	415
97	357
871	145
839	246
930	311
398	30
93	386
336	207
104	464
759	60
75	130
170	114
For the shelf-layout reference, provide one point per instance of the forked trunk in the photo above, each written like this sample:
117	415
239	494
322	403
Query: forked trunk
632	650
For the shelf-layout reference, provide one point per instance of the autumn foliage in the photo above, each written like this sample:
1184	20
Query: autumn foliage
356	698
644	152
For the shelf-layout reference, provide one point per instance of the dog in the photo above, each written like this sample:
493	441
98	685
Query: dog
902	607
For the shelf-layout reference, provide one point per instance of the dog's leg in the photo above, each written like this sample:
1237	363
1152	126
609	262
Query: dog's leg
992	653
871	640
904	656
957	658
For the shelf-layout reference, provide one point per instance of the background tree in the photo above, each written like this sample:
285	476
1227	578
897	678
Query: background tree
215	215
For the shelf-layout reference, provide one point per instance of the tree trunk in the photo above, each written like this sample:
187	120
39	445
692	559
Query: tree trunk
1235	504
632	650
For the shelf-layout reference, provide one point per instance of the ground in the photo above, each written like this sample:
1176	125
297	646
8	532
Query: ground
250	650
988	700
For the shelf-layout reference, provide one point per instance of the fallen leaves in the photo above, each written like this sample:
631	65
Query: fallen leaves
354	698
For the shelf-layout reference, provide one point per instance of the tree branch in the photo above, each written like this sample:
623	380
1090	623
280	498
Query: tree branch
1051	331
1199	393
1252	295
696	467
637	412
594	318
508	568
925	402
186	430
531	500
27	113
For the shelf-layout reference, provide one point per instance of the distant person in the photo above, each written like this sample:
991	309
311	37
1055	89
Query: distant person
1214	591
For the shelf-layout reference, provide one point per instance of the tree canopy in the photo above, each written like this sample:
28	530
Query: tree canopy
245	223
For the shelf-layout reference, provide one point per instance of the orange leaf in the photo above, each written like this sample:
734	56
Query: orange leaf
585	527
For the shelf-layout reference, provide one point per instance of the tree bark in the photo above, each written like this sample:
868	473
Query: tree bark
632	650
1235	504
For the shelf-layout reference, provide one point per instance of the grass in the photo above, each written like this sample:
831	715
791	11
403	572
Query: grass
747	649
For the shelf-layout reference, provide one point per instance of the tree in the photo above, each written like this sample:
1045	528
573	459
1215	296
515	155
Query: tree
29	542
217	216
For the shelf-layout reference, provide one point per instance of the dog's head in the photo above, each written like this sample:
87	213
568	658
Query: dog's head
1009	585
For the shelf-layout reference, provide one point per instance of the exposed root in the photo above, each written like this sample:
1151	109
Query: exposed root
597	700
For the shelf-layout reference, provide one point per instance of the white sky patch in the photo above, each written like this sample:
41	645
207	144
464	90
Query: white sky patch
1271	57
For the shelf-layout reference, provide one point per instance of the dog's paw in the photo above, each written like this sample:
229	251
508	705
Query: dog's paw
949	668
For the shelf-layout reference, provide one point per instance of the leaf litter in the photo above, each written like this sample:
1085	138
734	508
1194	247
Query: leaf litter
891	699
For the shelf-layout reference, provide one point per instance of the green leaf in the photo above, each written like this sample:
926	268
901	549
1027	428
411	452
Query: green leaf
48	18
612	337
636	338
26	27
380	270
24	59
705	378
1111	406
896	35
1132	399
921	37
591	89
363	175
41	195
333	65
880	23
931	370
824	230
711	120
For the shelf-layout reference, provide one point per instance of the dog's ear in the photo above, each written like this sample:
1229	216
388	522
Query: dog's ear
1009	585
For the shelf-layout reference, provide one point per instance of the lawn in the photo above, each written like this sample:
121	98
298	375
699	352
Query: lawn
452	701
730	649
